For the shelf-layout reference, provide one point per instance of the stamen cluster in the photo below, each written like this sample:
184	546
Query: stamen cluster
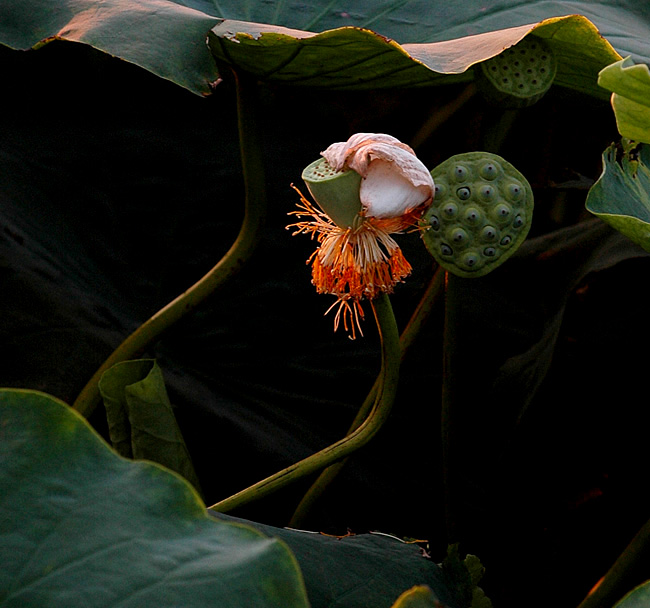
357	258
353	263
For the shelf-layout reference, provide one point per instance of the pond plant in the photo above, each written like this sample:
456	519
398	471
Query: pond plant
436	179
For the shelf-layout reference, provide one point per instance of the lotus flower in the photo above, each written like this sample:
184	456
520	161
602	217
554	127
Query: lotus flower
367	188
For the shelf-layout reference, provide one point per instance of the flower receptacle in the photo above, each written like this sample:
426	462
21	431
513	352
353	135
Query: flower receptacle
336	192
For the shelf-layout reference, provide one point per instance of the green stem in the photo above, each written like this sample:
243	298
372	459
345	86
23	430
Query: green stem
498	128
390	362
442	115
420	315
229	265
448	410
626	573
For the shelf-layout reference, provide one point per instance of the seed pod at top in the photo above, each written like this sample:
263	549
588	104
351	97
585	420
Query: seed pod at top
519	76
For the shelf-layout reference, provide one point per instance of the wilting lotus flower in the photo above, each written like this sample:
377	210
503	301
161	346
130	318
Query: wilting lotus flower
368	188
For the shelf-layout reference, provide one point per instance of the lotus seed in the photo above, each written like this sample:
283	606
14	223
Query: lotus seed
450	210
459	236
490	251
489	171
435	222
470	260
489	233
488	193
506	240
518	222
472	215
515	191
460	173
446	250
501	213
463	193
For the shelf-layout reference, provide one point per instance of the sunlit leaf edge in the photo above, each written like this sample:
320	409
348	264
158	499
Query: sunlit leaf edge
354	58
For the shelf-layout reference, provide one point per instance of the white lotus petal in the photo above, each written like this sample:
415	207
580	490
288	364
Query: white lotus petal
355	152
387	193
395	180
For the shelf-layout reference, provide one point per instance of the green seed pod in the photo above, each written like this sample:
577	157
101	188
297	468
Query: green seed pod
519	76
471	234
336	192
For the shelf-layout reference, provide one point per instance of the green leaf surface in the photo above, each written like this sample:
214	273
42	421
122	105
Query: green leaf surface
360	58
637	598
417	597
625	23
358	570
141	422
435	38
630	86
81	526
621	196
161	36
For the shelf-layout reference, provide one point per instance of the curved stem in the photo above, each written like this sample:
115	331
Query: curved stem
383	403
427	302
624	574
229	265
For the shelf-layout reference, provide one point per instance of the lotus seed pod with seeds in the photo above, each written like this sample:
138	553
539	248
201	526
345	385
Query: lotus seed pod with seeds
519	76
481	213
336	192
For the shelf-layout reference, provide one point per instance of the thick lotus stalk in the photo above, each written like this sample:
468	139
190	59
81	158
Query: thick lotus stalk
367	188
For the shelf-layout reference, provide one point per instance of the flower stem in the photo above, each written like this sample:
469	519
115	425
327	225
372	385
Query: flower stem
229	265
626	572
420	315
390	362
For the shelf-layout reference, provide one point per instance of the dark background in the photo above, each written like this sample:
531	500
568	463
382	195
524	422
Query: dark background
119	190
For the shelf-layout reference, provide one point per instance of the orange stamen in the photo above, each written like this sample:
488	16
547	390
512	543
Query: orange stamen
353	263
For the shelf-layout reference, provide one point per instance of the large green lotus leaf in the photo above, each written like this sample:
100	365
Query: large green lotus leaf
621	196
141	421
355	58
168	37
630	86
82	526
161	36
624	23
360	570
